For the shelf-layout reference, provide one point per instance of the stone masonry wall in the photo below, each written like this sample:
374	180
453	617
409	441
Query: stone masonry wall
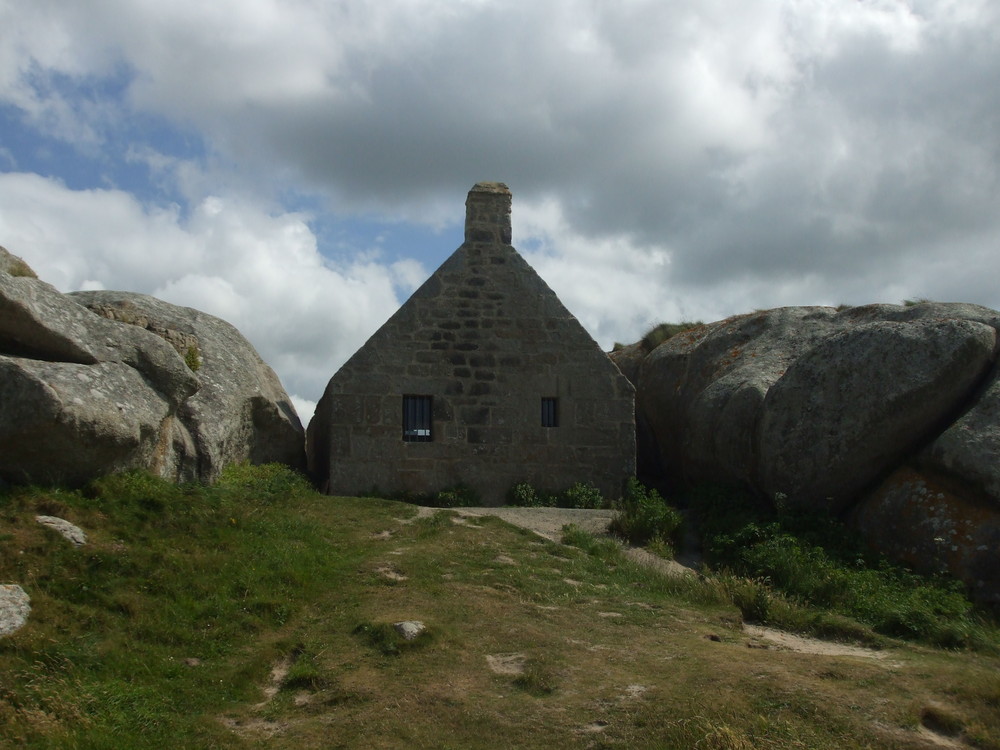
487	339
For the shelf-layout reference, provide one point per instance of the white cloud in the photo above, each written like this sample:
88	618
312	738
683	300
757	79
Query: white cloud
689	159
614	288
260	272
305	408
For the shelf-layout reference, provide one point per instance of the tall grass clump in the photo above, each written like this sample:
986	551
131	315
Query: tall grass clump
17	267
644	516
666	331
817	562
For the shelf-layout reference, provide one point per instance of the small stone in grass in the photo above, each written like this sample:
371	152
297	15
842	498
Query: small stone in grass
409	629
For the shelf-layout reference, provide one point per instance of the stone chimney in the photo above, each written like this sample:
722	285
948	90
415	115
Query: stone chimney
487	214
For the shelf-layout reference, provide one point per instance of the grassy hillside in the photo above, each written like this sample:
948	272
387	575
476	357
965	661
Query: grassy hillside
257	613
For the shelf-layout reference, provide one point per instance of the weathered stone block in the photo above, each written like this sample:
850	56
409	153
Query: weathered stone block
474	415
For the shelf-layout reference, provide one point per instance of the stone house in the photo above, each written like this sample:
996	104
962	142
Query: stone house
482	378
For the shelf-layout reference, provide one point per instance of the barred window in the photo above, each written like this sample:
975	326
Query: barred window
417	411
550	412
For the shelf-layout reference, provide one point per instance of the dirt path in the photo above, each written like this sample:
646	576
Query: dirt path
546	522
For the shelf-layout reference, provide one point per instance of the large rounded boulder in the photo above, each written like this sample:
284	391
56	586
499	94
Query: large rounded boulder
81	395
888	414
862	399
133	383
702	391
240	411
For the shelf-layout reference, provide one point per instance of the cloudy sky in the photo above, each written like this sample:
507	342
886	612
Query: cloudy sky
298	167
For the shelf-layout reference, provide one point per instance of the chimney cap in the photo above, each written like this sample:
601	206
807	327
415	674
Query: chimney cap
490	187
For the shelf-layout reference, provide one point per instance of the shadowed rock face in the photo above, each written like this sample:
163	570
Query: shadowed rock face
83	394
936	523
822	407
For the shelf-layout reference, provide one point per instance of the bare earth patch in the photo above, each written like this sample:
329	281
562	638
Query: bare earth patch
939	740
277	678
254	728
634	691
264	728
389	572
422	512
509	664
804	645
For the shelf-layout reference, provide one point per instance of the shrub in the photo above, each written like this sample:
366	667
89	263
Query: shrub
523	495
192	358
643	516
582	496
721	509
661	548
752	598
459	496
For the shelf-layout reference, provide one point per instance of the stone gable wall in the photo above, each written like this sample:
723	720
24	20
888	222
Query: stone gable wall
487	339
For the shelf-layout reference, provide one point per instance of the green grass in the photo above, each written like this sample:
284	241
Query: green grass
817	563
257	613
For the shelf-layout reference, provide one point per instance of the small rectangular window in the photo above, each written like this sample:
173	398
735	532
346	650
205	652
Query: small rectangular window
550	412
417	412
